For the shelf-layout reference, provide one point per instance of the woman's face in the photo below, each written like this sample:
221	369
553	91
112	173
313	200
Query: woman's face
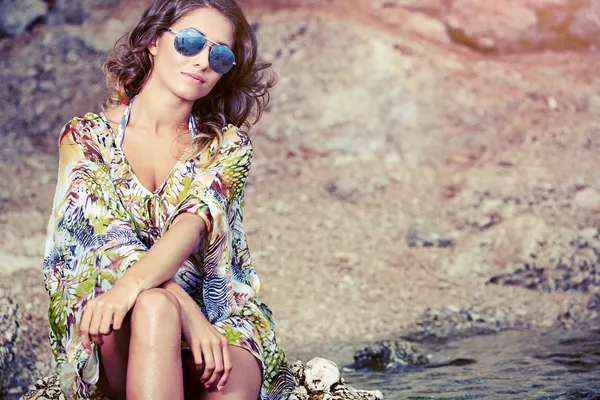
190	77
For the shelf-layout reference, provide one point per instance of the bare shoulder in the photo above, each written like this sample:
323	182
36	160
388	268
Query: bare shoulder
113	115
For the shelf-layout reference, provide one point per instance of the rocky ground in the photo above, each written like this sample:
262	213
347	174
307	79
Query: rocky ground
415	155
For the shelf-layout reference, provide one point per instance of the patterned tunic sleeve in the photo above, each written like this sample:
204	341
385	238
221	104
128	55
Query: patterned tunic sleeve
90	243
216	195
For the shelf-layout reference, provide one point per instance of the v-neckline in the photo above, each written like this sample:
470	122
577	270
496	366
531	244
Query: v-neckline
158	189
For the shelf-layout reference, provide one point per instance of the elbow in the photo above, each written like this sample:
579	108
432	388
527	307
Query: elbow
190	226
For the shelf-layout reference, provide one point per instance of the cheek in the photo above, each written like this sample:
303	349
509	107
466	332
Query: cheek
214	79
169	60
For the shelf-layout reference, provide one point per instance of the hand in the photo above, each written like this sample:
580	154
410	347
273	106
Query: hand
106	313
209	347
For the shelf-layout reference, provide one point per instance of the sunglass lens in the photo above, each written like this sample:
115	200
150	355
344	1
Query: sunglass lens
221	59
189	42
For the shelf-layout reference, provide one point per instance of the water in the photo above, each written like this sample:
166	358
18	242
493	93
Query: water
510	365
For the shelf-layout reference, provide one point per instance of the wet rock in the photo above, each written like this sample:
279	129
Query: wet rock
320	379
343	392
423	235
579	314
567	261
47	388
450	323
389	355
17	15
9	337
320	374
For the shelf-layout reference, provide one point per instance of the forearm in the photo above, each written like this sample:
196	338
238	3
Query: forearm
163	259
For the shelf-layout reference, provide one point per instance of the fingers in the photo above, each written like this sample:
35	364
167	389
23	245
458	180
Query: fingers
84	328
217	350
105	326
211	357
95	324
198	357
227	366
118	318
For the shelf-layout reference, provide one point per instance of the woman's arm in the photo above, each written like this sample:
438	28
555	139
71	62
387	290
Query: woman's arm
107	311
163	259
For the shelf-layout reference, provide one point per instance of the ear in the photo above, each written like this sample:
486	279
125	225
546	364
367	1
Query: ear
153	47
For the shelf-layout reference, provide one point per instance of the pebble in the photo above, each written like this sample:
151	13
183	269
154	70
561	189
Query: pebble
588	199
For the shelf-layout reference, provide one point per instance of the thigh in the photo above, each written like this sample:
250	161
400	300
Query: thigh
113	354
244	382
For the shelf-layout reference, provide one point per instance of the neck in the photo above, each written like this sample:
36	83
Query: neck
159	113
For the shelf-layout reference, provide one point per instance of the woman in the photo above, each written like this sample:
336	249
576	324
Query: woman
152	289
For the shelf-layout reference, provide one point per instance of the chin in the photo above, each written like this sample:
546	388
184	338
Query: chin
190	95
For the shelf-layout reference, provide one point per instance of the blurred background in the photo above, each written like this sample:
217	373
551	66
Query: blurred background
426	169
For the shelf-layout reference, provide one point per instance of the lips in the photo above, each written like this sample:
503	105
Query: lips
196	77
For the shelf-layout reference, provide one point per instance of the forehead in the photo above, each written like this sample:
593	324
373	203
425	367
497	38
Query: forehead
214	25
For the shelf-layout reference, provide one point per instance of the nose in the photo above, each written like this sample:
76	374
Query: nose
201	59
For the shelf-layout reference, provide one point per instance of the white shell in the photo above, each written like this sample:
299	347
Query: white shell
320	374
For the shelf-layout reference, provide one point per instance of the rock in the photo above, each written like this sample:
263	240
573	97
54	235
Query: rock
65	63
17	15
585	24
423	235
298	371
524	25
389	355
566	261
300	393
47	388
102	36
430	7
9	336
76	11
449	323
342	188
320	375
518	238
490	26
588	199
552	103
343	392
323	381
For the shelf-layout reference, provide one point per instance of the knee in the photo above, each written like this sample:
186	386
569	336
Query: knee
156	308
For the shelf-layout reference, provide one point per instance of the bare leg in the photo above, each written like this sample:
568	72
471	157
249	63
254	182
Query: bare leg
244	382
113	362
154	368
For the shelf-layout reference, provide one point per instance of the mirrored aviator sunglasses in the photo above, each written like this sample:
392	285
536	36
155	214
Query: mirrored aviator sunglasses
189	42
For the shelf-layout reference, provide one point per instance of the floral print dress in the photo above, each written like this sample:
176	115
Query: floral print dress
104	220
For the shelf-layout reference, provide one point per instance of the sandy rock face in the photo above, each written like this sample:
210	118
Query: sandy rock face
17	15
525	25
489	26
9	335
566	261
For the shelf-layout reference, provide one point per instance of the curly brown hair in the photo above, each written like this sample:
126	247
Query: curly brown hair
239	94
